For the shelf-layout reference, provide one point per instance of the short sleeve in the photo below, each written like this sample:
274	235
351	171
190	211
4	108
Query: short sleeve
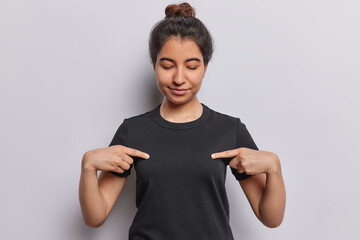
243	139
120	138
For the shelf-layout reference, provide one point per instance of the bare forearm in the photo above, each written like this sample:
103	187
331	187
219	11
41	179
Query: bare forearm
93	205
272	203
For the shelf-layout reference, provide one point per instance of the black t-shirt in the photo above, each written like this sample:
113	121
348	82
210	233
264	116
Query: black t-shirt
180	189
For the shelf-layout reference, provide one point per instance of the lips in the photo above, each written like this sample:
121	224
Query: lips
179	91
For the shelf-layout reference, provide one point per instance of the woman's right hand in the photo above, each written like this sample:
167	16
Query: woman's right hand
115	158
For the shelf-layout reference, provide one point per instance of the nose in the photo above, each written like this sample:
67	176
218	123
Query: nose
179	76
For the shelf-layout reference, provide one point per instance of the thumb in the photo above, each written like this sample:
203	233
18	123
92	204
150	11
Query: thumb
234	163
136	153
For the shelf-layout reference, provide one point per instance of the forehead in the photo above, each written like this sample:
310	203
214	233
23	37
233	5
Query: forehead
176	48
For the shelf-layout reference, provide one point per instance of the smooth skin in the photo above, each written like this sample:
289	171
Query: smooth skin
98	195
265	189
180	64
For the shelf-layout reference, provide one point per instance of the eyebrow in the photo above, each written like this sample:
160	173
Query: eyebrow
187	60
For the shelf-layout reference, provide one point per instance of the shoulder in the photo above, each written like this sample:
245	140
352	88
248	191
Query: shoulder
224	118
139	119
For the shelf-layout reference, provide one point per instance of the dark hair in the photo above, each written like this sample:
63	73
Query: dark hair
180	21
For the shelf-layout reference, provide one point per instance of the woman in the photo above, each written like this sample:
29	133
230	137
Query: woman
180	150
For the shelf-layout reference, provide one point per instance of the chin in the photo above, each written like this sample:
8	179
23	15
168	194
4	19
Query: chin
179	100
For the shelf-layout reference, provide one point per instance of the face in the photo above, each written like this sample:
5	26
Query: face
179	65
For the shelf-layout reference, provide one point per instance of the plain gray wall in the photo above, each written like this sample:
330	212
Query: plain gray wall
71	71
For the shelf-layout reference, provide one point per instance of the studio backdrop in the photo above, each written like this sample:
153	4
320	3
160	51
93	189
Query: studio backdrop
71	71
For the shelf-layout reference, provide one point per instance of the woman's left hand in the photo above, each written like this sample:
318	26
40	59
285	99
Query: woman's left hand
250	161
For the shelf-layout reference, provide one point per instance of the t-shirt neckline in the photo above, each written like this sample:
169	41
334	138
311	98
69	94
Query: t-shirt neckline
173	125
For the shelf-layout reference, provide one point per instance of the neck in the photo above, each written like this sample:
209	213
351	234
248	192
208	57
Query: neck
184	112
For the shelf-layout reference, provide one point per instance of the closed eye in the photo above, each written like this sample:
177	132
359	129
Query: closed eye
166	67
192	68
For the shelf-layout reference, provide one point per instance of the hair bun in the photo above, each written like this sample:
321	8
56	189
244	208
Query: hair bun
181	10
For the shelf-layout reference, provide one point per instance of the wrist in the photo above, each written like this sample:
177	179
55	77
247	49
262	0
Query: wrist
86	166
274	167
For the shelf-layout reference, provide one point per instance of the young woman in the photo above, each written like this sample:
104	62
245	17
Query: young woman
181	150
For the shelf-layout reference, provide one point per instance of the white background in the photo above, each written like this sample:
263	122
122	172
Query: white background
71	71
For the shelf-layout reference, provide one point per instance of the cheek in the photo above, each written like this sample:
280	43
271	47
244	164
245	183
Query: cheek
163	76
162	80
197	78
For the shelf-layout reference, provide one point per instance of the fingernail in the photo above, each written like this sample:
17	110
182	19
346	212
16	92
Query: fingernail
212	155
147	155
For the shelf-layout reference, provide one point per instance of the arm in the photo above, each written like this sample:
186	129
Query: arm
98	196
266	193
